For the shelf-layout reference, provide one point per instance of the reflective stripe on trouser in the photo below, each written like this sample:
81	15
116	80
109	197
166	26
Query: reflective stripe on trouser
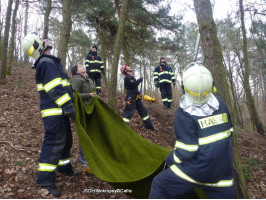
96	77
130	110
166	93
221	183
166	185
55	149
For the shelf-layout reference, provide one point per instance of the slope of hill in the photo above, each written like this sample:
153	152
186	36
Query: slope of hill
21	133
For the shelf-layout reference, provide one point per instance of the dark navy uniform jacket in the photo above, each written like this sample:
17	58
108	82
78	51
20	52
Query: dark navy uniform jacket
56	93
94	64
131	85
202	152
163	75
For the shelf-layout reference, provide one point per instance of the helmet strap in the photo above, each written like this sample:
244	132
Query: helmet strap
182	86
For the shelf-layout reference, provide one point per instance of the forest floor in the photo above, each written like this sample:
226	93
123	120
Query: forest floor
21	135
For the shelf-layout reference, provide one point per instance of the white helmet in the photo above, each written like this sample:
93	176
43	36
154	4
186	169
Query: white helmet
197	82
33	46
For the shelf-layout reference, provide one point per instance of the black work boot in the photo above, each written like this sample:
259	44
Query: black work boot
52	190
170	106
152	128
72	172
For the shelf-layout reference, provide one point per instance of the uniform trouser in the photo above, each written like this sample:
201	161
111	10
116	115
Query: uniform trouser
167	185
166	93
96	77
130	110
55	152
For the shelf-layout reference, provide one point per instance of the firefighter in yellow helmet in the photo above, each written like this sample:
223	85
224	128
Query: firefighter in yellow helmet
56	96
202	156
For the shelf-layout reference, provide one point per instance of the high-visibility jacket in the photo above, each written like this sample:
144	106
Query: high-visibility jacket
53	85
163	75
94	63
202	153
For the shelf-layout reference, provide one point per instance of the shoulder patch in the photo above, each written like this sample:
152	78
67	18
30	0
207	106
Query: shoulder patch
131	79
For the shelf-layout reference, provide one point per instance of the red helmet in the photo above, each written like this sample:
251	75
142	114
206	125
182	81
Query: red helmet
123	69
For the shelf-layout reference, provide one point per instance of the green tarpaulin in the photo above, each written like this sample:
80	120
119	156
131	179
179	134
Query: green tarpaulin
115	152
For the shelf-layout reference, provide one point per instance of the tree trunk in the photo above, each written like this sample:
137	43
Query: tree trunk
214	61
46	19
235	106
104	59
103	51
26	57
250	99
213	55
65	31
10	56
1	26
117	48
5	43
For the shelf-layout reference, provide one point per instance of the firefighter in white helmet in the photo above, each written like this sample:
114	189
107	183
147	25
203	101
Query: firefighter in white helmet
56	106
202	156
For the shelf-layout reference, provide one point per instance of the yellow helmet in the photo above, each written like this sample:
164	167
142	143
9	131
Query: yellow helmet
197	82
33	46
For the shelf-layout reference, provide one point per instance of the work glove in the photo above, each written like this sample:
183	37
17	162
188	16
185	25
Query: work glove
103	73
174	84
70	112
157	85
140	80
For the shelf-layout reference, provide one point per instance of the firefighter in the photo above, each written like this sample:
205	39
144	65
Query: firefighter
94	68
133	99
202	156
56	106
85	87
163	78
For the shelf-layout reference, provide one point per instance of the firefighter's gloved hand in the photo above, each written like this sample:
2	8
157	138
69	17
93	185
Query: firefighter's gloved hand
157	85
140	80
70	112
103	73
174	84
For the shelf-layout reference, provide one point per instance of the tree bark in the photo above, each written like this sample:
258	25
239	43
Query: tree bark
1	27
5	43
104	59
213	55
117	48
214	61
26	57
10	56
46	19
250	99
65	31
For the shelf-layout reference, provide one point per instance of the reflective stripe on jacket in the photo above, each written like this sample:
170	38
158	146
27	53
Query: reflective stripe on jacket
202	153
53	86
163	74
94	64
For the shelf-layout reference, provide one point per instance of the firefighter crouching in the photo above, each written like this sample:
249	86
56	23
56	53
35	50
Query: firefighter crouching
56	106
202	156
133	99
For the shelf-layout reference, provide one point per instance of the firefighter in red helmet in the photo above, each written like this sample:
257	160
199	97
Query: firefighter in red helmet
133	98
